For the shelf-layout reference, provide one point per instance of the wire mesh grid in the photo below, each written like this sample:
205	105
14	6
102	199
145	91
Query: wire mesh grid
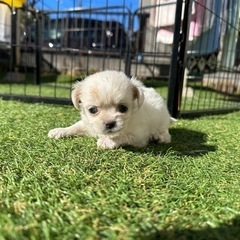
212	68
43	52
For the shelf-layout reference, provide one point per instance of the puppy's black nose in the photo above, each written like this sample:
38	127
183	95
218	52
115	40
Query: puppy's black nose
110	125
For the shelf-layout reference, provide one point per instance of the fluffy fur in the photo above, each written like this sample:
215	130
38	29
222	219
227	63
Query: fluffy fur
117	111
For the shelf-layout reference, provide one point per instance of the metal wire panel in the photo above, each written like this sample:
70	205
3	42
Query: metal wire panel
43	52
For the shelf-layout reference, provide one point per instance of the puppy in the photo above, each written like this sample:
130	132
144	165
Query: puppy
118	111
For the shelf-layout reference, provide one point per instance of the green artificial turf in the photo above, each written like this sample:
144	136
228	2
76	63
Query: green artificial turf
69	189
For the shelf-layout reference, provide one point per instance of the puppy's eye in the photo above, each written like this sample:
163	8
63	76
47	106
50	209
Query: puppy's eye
93	110
122	108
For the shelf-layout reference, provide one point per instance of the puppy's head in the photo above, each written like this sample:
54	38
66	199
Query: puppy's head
107	100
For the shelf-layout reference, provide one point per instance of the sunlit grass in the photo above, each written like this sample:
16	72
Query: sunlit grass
70	189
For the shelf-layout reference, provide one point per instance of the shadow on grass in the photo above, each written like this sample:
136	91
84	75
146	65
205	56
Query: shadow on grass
190	142
156	83
225	96
229	230
184	142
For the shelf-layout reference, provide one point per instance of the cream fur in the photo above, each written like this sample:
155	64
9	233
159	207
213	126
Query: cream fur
124	112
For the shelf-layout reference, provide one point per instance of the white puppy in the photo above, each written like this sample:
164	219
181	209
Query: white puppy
118	111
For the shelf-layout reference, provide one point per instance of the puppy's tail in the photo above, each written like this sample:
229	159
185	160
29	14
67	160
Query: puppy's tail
172	120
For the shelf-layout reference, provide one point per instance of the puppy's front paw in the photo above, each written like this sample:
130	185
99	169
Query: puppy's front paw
106	143
56	133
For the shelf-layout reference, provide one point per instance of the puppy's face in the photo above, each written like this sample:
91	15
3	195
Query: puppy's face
107	100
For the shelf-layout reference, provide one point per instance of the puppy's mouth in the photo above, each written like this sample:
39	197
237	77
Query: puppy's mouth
111	127
111	132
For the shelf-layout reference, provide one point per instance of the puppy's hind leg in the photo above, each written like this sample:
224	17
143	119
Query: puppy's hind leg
165	137
162	136
76	129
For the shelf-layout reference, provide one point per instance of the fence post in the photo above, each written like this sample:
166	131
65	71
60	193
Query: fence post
13	39
128	53
180	39
38	55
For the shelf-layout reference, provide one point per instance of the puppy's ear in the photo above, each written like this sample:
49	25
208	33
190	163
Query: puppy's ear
76	93
138	95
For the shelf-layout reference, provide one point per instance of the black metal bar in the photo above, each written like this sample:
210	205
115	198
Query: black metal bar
128	53
178	58
38	54
13	39
206	112
36	99
183	48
